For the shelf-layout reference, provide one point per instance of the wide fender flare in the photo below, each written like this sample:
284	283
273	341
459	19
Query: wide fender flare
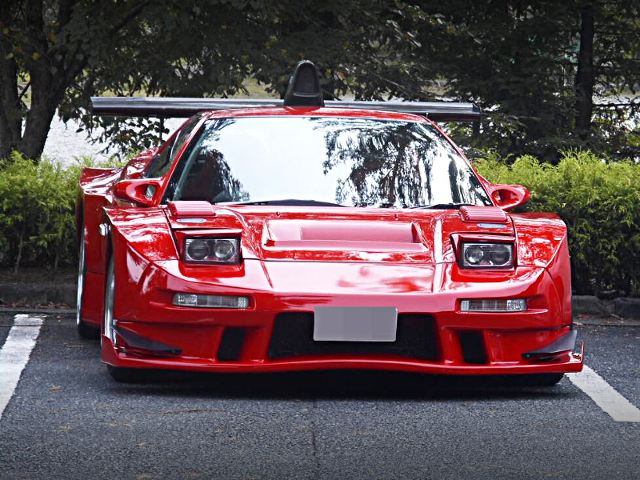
542	241
138	237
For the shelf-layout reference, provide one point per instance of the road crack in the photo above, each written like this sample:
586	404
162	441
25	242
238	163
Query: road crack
314	444
193	410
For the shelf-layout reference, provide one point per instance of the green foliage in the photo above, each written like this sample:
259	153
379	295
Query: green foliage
599	200
37	211
518	59
60	53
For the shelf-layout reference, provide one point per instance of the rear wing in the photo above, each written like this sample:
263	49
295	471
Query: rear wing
186	107
303	91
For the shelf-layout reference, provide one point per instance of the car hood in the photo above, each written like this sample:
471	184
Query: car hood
340	234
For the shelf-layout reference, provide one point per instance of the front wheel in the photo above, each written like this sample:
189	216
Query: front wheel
109	301
84	330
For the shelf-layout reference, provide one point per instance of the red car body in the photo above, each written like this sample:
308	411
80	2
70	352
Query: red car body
349	257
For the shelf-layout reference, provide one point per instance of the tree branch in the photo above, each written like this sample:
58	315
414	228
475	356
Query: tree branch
24	90
35	23
76	67
127	18
64	12
631	105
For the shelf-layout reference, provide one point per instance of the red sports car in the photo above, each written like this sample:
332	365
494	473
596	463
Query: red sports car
300	234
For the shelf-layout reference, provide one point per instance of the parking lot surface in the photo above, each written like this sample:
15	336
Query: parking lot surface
67	419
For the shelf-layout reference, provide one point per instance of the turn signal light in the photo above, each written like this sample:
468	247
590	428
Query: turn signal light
494	305
210	301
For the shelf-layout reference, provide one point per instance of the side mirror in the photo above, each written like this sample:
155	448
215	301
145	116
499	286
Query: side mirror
139	191
508	197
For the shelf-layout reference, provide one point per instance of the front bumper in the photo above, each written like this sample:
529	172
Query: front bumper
439	337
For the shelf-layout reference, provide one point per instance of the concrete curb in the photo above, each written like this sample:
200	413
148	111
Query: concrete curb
38	294
606	322
42	311
590	305
65	294
622	307
627	307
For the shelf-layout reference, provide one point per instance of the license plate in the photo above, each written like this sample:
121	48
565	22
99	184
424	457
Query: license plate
355	324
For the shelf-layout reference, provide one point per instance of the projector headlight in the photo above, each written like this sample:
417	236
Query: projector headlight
212	250
486	255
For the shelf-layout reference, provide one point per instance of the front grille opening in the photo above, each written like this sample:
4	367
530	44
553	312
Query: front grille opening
473	349
231	345
293	336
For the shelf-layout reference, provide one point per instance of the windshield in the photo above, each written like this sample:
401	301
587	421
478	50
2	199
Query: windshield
324	160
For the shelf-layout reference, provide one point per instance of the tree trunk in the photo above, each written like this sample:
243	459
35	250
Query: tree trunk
16	266
585	75
48	84
10	115
36	130
57	259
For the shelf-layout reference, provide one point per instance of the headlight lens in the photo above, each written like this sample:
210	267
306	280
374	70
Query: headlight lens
487	255
224	250
212	250
197	249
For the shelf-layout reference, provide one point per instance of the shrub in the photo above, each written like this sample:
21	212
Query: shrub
37	212
600	202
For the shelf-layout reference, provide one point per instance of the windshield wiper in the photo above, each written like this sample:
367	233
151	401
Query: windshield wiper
291	202
443	206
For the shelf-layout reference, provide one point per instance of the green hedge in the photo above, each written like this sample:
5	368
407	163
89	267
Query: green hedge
37	212
600	203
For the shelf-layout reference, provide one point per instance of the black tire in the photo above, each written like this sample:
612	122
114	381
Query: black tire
88	332
85	331
127	375
539	379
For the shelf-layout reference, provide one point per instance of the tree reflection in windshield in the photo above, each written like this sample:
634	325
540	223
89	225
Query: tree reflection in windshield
210	178
397	163
345	160
206	174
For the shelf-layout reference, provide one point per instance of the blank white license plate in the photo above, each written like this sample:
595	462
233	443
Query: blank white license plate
355	324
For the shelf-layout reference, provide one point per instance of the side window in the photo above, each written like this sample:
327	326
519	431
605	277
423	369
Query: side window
160	161
161	164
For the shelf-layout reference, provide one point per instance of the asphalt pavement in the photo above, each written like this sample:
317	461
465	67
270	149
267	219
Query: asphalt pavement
67	419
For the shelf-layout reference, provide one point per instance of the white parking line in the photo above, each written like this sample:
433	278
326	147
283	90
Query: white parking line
605	396
15	353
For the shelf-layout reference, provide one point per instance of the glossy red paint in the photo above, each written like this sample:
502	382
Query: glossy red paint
136	167
483	214
297	258
136	191
508	197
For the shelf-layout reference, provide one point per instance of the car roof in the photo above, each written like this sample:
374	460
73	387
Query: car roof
315	112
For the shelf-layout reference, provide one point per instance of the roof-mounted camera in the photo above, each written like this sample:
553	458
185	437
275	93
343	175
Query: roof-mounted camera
304	87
